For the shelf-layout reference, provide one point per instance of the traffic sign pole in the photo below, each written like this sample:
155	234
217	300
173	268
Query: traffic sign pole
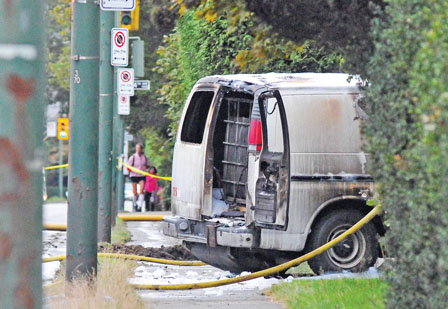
83	159
105	129
118	143
22	76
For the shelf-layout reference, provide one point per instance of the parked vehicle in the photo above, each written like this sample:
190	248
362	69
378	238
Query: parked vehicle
267	167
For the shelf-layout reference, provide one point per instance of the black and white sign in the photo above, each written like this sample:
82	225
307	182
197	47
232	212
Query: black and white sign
120	47
124	105
125	81
142	84
117	5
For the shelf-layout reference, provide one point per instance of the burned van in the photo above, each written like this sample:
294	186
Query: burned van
267	167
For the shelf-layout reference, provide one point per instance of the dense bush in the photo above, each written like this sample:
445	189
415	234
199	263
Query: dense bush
408	141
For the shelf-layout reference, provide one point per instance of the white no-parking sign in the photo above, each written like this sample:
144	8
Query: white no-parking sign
120	47
124	105
125	81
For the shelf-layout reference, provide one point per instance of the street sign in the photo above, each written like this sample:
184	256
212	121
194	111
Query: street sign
142	84
124	105
51	129
120	47
117	5
125	81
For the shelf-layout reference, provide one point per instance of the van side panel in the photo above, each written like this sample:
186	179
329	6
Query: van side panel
326	161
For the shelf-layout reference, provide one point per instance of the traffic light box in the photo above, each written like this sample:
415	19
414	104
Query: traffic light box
63	128
131	19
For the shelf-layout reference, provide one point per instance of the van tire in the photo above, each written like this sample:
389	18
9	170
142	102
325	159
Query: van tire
356	253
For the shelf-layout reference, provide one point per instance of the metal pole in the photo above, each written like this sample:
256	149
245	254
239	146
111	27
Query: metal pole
22	76
83	170
61	171
120	176
118	131
105	135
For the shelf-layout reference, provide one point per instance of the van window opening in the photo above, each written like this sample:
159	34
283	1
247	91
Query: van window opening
196	117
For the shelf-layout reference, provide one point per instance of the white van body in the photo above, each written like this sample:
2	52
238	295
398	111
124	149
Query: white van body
268	166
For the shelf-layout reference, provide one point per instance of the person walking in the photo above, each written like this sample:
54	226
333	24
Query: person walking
150	189
141	162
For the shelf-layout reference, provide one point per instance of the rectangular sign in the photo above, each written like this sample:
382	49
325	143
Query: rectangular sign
125	81
117	5
124	105
52	129
142	84
119	54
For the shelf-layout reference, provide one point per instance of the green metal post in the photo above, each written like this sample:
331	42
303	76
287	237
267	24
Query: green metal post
118	131
60	170
105	130
22	77
120	176
83	156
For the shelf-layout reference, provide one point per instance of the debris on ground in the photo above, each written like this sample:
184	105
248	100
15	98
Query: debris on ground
178	252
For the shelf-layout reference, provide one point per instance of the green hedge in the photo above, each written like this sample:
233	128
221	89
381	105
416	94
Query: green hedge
408	140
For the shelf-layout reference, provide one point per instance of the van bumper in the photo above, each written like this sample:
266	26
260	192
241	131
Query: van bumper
211	233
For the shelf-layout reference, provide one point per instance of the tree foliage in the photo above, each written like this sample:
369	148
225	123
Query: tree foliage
408	140
340	25
200	47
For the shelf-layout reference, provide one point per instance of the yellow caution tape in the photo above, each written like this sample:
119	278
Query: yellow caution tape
136	170
56	166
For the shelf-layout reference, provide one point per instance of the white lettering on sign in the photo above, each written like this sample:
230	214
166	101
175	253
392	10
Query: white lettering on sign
117	5
125	81
124	105
119	54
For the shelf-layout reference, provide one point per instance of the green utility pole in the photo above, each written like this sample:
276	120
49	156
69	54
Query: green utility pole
83	156
118	140
105	130
22	77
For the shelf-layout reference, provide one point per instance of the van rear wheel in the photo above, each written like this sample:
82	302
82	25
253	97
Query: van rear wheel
355	253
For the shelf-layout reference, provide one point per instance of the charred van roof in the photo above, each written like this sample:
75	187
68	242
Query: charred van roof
307	82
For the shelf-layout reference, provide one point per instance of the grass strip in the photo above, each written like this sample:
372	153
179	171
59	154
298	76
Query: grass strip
340	293
109	289
119	233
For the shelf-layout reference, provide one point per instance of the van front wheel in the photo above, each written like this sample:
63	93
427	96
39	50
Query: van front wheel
355	253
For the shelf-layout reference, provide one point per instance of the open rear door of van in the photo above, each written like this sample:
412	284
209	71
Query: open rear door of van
189	155
272	187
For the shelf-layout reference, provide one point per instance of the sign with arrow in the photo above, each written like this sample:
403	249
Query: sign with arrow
142	84
125	81
120	47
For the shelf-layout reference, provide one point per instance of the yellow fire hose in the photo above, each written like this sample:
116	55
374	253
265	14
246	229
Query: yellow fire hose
266	272
137	217
124	217
135	258
55	227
